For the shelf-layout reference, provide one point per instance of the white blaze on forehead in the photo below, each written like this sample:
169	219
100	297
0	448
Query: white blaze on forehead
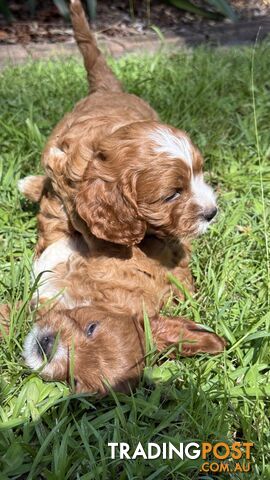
176	147
202	193
30	352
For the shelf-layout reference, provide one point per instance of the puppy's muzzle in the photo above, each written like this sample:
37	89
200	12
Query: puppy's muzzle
210	214
45	345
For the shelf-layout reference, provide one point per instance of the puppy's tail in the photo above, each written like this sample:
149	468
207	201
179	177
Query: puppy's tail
100	76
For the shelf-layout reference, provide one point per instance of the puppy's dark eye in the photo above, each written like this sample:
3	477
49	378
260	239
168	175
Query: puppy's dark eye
90	329
174	196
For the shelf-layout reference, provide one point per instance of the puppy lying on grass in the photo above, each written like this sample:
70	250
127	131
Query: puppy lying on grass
96	348
123	176
92	331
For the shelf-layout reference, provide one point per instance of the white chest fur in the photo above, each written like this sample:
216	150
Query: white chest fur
45	275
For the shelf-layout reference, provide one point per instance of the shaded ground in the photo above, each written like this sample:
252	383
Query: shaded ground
119	19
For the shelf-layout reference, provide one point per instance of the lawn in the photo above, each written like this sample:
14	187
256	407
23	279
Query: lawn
225	106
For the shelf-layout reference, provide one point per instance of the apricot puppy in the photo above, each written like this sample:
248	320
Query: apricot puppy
100	348
120	172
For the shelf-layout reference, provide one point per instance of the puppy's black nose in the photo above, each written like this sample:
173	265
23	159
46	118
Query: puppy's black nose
210	214
45	345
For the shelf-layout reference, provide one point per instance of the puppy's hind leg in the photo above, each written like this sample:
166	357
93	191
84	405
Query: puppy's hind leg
53	223
33	186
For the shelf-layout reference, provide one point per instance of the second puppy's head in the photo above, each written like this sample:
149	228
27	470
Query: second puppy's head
87	344
146	177
95	346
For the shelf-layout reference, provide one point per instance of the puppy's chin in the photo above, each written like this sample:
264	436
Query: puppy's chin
55	368
199	229
202	227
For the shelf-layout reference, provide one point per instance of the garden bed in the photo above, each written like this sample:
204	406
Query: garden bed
119	20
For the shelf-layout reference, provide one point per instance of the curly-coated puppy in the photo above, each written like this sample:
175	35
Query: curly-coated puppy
121	173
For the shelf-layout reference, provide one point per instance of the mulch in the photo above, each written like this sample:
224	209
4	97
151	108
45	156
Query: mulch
117	18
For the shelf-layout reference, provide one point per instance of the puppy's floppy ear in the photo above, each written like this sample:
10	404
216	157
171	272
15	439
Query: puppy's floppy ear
191	337
110	211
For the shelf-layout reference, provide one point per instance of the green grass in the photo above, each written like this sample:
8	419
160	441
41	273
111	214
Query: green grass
47	434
